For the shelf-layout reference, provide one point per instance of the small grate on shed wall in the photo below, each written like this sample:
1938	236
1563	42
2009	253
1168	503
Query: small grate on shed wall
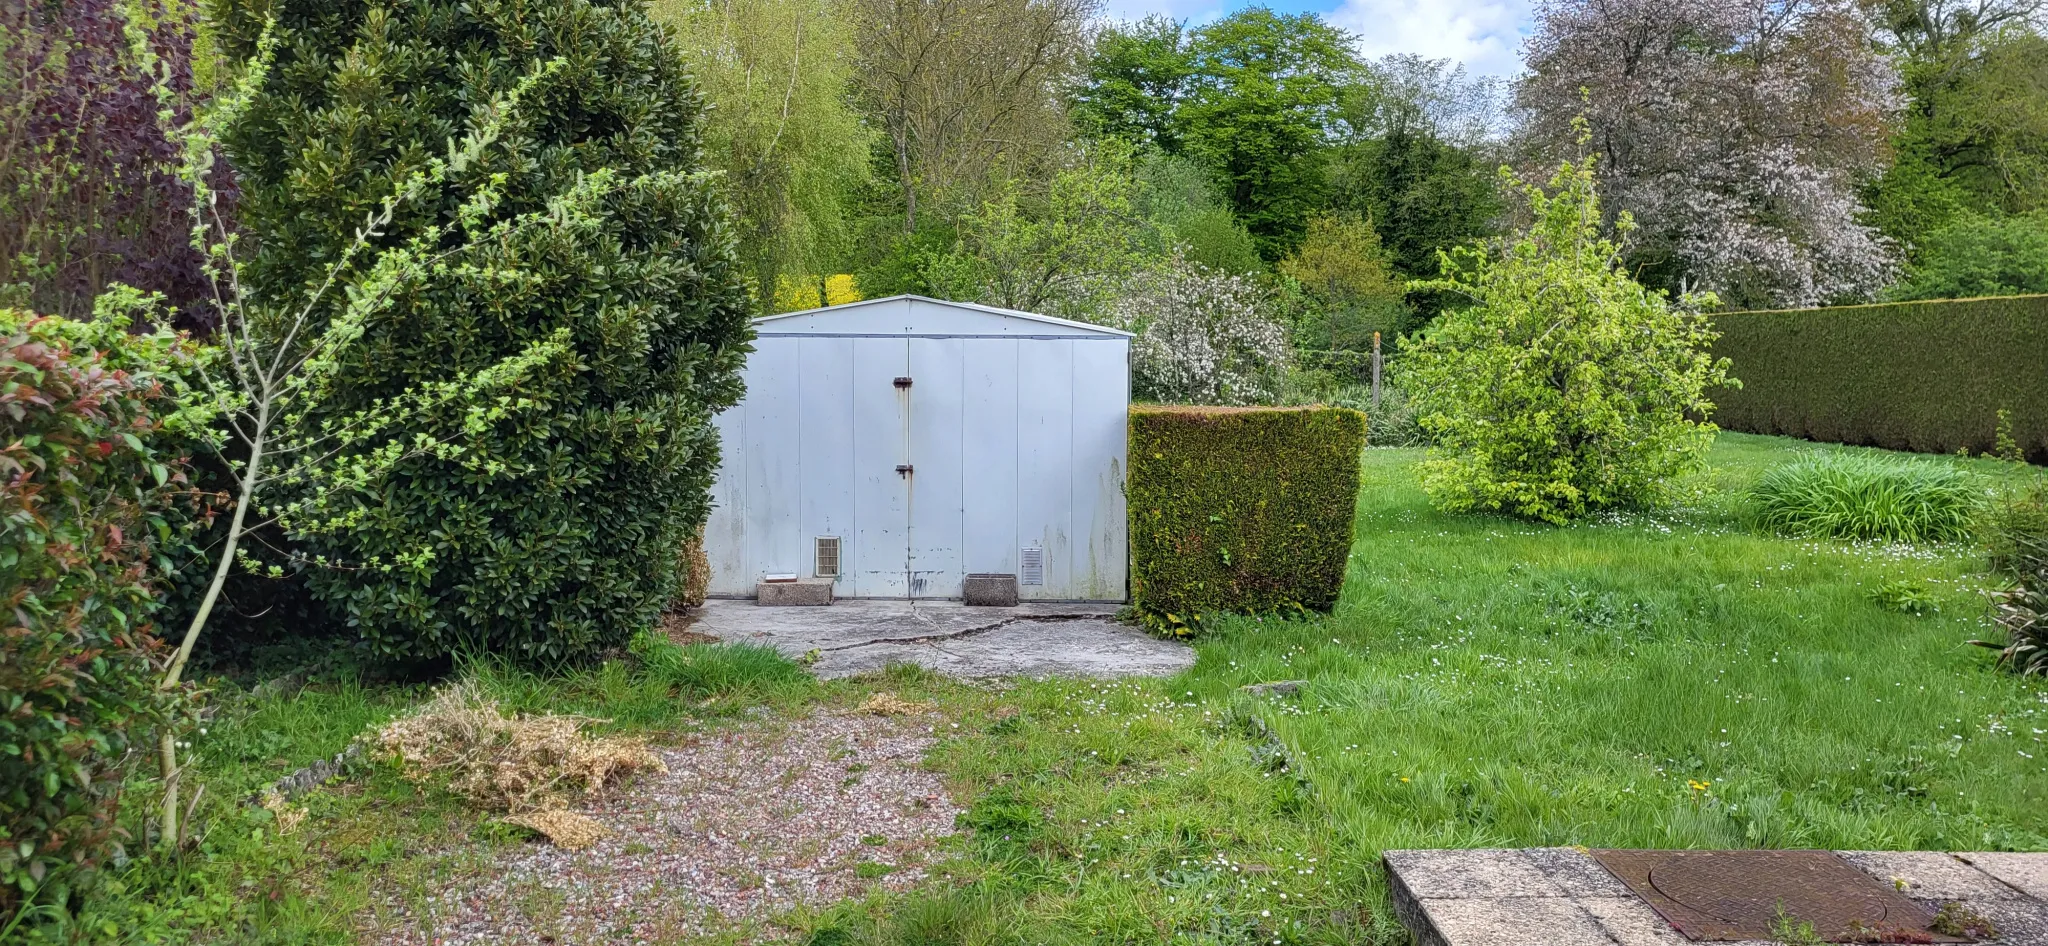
1031	566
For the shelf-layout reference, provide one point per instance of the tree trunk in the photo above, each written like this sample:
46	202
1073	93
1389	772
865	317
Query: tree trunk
167	743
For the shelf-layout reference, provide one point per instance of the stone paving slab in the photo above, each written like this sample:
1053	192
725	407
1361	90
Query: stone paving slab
1033	639
2027	873
1563	897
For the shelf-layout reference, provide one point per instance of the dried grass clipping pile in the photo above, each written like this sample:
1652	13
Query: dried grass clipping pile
889	704
516	764
567	829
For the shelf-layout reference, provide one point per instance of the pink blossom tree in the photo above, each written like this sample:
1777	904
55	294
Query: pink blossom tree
1735	131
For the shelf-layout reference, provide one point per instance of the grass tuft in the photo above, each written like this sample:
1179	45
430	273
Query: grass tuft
704	671
1852	496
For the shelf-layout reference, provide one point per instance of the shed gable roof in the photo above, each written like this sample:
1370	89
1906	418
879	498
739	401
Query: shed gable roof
910	315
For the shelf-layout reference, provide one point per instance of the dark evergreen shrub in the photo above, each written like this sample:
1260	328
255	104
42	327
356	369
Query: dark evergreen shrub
556	532
93	502
1244	510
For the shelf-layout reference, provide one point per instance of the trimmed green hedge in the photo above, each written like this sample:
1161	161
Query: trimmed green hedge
1240	509
1925	376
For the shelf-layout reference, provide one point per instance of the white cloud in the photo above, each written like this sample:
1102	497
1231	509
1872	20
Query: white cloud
1485	35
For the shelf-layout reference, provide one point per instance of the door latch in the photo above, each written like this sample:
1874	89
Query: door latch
903	469
903	382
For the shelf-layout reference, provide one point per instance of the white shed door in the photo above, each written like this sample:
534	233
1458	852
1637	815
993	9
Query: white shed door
1001	448
907	478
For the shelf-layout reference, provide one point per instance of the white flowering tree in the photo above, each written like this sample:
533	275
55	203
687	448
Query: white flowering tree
1204	337
1735	132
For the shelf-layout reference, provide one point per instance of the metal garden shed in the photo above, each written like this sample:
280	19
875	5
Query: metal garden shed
897	445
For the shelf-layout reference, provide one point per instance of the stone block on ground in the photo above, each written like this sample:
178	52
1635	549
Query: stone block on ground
1473	873
1509	921
803	592
1576	873
989	591
1631	922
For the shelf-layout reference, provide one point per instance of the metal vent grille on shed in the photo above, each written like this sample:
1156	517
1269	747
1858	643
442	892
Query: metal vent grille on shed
1031	570
826	563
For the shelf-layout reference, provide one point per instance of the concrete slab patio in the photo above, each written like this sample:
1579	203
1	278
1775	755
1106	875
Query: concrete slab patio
1563	897
1034	639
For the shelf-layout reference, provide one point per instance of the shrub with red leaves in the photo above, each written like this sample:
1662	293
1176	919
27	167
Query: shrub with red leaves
89	193
93	500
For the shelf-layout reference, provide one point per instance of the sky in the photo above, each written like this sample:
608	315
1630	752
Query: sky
1485	35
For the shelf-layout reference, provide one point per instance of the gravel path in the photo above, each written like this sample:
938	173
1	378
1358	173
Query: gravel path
748	822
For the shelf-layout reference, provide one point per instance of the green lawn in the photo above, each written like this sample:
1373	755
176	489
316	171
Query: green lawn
1652	681
1668	681
1655	681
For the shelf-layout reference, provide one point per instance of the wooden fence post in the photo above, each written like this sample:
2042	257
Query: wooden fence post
1375	371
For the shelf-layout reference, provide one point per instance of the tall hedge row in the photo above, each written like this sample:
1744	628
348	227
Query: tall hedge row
1927	376
1240	509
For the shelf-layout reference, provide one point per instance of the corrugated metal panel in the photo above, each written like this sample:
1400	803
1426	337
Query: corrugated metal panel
935	455
1014	442
989	441
916	315
725	533
1100	438
881	517
774	404
1045	455
824	437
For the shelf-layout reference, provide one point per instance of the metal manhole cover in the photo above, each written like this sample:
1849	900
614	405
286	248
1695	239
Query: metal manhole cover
1722	896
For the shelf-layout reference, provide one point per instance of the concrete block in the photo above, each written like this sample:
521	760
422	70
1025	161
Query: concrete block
2027	873
1481	872
984	590
1511	921
803	592
1576	872
1929	875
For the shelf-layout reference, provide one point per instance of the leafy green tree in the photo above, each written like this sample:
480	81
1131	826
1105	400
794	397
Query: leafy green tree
1136	75
1263	112
1342	267
1978	255
966	93
1566	387
1184	212
1416	167
1061	253
781	127
484	231
1973	138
